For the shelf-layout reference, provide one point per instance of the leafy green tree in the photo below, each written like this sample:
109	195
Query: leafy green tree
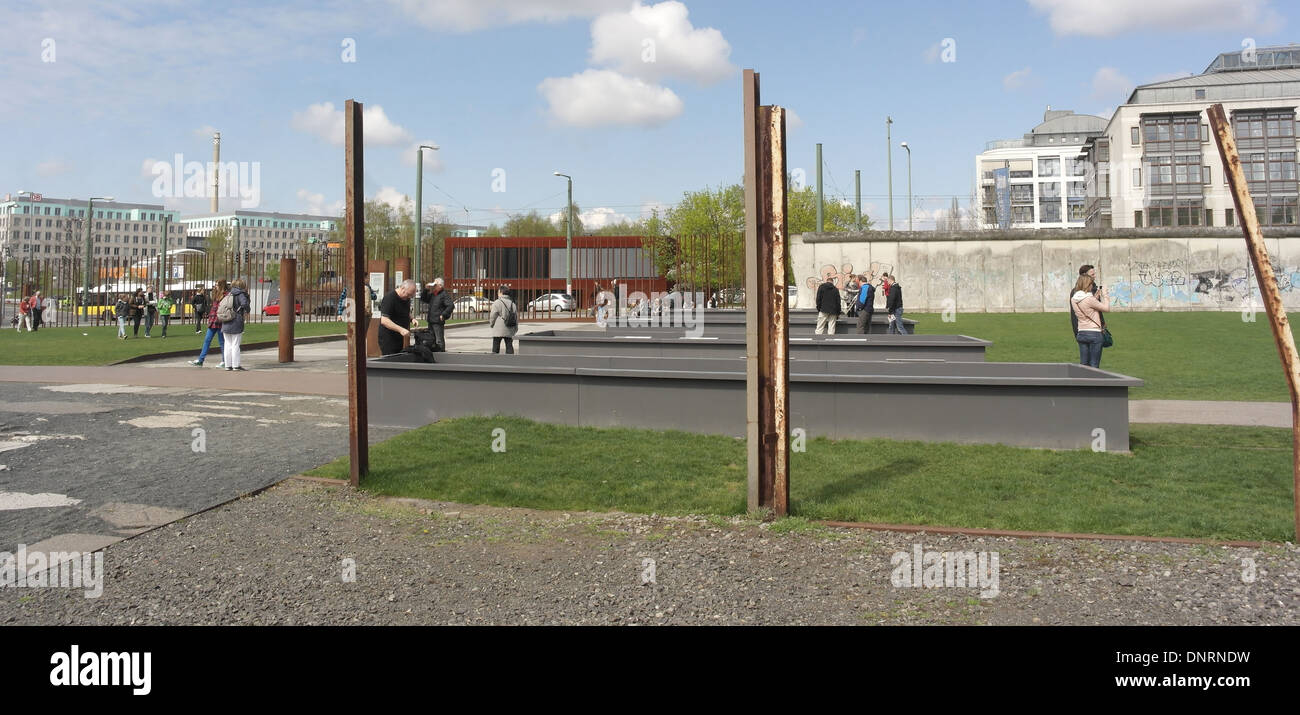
801	208
530	224
562	219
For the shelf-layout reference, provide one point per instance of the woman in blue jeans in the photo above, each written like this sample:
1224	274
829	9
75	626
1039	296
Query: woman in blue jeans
214	325
1088	307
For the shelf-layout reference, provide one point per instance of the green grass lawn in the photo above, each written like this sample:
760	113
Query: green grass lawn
1181	356
99	345
1189	481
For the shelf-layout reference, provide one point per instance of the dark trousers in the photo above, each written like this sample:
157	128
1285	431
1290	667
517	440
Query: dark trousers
439	337
135	324
37	321
148	322
864	321
199	317
165	320
510	344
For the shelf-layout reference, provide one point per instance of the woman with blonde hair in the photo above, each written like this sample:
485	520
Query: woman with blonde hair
1088	307
214	325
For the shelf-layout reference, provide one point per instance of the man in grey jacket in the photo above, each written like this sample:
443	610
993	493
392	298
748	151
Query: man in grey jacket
503	319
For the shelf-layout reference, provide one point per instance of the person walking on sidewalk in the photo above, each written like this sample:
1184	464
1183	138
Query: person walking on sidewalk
214	325
504	321
165	305
894	306
233	329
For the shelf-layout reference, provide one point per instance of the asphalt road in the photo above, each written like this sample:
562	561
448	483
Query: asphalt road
87	465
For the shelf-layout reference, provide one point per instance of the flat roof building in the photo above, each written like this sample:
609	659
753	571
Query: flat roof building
33	225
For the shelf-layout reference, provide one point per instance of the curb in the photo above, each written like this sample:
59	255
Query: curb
953	530
247	346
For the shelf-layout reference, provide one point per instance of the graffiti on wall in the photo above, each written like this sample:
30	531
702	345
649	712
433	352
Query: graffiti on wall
1161	274
845	274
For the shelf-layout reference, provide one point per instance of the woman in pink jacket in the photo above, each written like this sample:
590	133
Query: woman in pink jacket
1088	308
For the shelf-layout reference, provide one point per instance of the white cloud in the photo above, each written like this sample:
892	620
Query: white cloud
391	196
328	123
1110	83
53	167
1107	18
604	97
594	219
469	15
656	41
1016	80
315	204
432	160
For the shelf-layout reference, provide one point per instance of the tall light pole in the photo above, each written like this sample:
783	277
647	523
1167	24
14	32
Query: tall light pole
239	257
419	192
889	169
90	218
909	184
568	243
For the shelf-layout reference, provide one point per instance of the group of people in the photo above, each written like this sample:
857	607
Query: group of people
32	312
147	307
226	311
396	323
861	300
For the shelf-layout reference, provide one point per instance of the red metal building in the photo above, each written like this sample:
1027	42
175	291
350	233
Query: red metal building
535	265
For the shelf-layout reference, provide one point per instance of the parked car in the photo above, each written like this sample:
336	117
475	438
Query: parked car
553	301
472	304
273	308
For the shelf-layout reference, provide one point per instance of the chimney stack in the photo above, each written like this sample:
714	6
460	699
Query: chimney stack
216	169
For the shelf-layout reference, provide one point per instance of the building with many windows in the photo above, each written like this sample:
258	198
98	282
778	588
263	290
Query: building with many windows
1038	181
36	226
1156	164
279	235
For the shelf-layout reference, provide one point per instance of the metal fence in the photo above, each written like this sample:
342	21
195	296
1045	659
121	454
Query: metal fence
709	267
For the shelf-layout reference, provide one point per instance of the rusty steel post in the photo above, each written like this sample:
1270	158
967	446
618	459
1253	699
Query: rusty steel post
750	91
354	234
288	299
1267	282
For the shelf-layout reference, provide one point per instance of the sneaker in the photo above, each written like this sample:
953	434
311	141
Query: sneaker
147	335
197	362
241	369
230	369
221	364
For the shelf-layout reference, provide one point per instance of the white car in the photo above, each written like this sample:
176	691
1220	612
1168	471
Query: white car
553	301
472	304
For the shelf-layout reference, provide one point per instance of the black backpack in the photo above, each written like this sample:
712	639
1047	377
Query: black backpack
510	316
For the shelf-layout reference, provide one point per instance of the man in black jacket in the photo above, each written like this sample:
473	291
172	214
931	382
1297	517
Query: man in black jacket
828	307
200	303
441	306
894	306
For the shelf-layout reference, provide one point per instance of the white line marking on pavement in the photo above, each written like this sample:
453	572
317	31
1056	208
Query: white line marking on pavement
11	501
98	389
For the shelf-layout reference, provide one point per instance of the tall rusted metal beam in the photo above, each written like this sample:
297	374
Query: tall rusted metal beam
288	303
354	231
767	324
1267	282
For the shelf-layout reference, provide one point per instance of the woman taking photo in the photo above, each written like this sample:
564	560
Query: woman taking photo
1088	308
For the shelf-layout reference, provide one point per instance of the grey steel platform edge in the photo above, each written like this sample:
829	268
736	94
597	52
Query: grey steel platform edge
670	342
1045	405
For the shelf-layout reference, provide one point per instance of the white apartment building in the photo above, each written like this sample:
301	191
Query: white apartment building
35	226
1156	163
279	235
1043	175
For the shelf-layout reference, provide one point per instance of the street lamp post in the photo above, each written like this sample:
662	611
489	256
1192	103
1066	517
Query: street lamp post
90	219
909	184
889	169
239	257
419	192
568	239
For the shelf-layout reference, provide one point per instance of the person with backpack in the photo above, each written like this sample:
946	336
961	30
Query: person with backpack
200	304
120	311
214	325
866	304
503	319
165	305
231	311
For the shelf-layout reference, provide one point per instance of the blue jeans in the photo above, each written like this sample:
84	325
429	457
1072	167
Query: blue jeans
897	325
1089	347
207	342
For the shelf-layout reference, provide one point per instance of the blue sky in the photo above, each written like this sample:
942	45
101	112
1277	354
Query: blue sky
94	93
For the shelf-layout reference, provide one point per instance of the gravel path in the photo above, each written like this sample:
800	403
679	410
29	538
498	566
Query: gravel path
280	557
